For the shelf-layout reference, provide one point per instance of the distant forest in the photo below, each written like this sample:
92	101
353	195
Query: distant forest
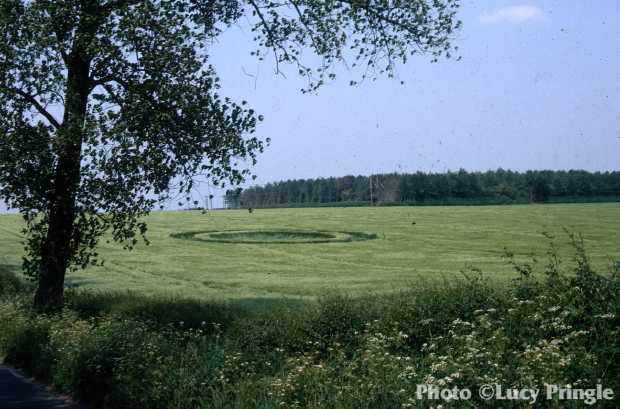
462	187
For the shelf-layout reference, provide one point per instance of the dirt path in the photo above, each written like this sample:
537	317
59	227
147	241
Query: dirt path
18	392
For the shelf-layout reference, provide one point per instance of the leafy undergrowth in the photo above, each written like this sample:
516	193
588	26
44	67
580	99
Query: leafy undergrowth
119	350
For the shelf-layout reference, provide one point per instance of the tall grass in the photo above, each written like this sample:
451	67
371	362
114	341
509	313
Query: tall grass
556	323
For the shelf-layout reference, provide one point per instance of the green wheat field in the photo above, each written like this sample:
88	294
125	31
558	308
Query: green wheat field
305	253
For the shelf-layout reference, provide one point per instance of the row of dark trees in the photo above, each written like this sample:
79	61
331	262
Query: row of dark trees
498	186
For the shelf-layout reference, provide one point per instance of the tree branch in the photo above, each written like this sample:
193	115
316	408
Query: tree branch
381	17
33	101
275	45
135	89
305	23
117	4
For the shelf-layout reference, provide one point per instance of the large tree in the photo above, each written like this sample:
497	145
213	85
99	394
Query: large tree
108	107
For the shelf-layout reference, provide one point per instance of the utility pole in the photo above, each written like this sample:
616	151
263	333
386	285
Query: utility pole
371	201
209	198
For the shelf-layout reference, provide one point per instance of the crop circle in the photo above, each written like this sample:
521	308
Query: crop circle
274	236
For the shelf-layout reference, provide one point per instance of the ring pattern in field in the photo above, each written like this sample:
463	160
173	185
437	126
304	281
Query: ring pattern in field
274	236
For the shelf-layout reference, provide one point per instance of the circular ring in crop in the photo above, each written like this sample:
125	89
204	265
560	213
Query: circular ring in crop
274	236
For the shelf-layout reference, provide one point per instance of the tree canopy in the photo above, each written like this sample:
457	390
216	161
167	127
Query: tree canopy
109	107
498	186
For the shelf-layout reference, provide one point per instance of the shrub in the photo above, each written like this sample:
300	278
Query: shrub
10	283
28	347
14	317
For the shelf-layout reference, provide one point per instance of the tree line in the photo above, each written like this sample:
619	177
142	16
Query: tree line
461	187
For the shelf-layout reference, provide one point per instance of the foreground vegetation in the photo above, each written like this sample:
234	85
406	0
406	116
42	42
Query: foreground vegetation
559	325
443	241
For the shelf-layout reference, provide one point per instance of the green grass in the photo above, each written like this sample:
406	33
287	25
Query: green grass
443	241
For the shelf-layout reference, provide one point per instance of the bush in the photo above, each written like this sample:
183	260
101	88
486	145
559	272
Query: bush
159	311
10	283
28	347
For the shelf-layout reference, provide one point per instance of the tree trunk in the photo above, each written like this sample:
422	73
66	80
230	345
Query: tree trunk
58	246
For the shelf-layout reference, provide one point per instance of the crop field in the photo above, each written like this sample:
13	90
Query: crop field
304	253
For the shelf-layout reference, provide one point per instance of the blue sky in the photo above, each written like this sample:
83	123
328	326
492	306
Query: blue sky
538	87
